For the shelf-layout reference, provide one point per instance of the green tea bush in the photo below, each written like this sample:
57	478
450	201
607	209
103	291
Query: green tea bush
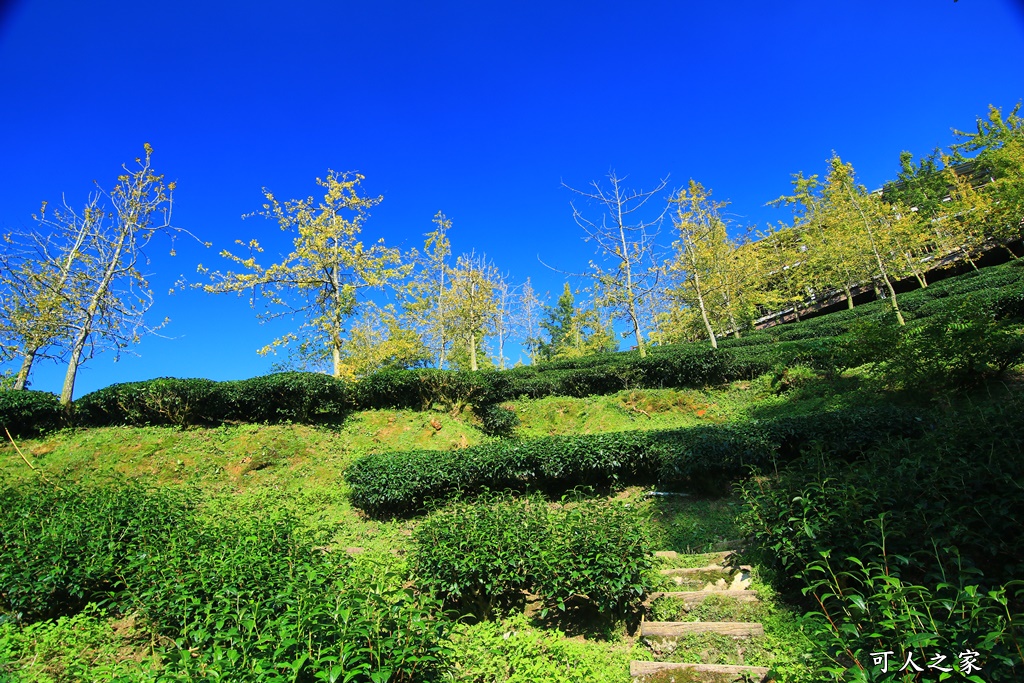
396	483
30	413
61	548
483	556
498	420
516	651
583	558
870	608
705	457
303	397
82	647
164	401
253	598
957	347
597	559
913	544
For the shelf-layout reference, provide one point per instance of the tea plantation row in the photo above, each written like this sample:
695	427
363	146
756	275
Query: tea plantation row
824	343
404	482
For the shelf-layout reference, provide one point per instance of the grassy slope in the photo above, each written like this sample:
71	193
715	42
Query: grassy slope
248	469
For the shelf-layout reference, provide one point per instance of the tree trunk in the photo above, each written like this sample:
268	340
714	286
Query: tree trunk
849	296
630	297
704	312
26	365
878	259
76	354
472	351
637	334
336	357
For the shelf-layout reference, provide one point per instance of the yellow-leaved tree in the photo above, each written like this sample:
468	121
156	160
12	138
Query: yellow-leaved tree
74	287
327	270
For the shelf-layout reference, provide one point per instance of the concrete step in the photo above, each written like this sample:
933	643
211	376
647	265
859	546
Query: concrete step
675	629
714	672
692	598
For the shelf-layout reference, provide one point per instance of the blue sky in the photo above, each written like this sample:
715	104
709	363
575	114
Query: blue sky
480	110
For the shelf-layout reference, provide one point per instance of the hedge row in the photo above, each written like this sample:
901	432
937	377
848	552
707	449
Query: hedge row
318	398
820	342
29	413
398	483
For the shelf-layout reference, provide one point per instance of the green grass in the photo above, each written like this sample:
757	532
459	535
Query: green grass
238	471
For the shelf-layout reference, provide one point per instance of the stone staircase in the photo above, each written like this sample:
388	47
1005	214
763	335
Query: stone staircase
725	583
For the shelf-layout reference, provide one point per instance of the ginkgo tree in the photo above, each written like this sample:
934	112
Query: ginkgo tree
999	144
626	275
832	258
33	316
74	287
701	252
428	291
865	217
471	308
327	271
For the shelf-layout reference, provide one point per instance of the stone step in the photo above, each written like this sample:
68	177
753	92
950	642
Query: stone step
720	671
692	598
674	629
684	571
719	552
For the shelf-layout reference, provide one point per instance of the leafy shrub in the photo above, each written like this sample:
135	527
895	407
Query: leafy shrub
584	558
61	548
598	557
483	556
304	397
254	600
957	347
515	651
941	566
869	608
163	401
245	599
82	647
498	420
30	413
396	483
705	457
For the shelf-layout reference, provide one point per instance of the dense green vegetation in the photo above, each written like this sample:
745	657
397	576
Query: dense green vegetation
429	525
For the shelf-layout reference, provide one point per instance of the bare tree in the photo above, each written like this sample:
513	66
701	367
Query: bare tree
81	276
505	322
527	318
626	240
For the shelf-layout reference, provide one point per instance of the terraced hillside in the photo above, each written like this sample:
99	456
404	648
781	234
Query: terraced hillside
509	526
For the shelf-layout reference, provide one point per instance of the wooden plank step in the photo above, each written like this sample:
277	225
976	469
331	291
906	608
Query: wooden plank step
693	597
674	629
683	571
644	668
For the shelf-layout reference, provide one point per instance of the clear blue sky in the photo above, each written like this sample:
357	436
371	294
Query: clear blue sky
477	109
